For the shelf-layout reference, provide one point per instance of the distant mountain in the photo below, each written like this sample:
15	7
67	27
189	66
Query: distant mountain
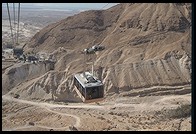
22	5
50	6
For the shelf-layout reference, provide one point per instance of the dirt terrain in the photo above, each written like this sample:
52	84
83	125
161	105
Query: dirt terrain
125	113
146	70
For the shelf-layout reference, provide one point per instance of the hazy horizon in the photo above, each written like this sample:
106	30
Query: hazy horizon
61	6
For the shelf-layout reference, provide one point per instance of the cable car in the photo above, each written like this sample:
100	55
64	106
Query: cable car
88	86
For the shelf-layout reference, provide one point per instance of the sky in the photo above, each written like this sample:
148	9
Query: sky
68	6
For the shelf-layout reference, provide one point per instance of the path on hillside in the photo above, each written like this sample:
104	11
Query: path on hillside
48	107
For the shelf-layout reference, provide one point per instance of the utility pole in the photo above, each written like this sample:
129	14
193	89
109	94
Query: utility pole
92	68
92	54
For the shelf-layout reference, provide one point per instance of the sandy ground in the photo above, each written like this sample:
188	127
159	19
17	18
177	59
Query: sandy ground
125	113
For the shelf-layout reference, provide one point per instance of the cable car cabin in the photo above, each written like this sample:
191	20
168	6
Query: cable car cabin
89	87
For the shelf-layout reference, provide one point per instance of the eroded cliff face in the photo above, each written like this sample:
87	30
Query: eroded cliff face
20	73
162	72
146	45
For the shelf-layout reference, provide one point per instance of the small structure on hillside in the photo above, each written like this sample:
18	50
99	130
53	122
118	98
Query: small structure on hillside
17	52
32	58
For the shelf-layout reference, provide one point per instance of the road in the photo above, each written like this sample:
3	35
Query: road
49	107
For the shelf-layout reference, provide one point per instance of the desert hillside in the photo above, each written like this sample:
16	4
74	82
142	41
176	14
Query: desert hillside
146	45
145	68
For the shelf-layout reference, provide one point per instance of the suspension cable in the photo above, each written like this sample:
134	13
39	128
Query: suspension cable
10	22
14	29
105	5
98	36
18	22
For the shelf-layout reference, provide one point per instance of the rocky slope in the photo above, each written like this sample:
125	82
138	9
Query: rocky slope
17	74
146	45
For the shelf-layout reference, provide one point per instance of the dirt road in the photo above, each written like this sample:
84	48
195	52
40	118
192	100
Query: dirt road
48	107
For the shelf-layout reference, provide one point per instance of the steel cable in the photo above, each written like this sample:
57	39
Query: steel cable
18	22
10	22
105	5
14	28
